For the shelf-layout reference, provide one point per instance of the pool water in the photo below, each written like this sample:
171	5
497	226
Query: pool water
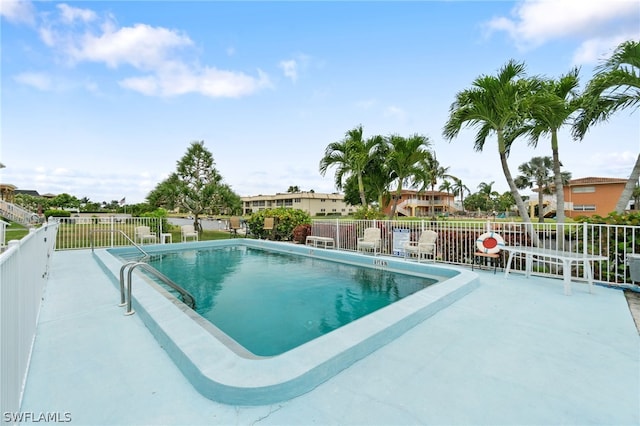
271	302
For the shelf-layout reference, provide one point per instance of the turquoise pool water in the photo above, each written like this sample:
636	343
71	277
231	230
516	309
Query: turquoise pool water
271	302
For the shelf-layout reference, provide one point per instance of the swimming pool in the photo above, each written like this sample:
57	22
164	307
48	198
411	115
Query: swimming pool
271	302
223	371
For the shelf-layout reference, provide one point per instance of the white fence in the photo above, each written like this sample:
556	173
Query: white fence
456	243
24	269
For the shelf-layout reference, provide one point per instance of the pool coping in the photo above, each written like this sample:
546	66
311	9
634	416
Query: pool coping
221	374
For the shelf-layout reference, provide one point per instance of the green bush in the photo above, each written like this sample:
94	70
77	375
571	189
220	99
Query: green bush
285	221
56	213
368	213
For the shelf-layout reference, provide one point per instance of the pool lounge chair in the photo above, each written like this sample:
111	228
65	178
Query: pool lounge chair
143	234
188	231
370	241
425	246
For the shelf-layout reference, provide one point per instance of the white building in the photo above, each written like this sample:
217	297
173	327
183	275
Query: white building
316	204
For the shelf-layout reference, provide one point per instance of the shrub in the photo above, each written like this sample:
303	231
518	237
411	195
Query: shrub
368	213
301	232
56	213
286	220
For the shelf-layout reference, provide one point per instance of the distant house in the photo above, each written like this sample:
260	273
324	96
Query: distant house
418	204
592	196
314	203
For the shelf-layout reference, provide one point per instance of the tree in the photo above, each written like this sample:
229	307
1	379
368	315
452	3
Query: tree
460	188
496	105
615	86
196	186
551	108
537	172
431	171
350	156
486	191
404	161
293	189
447	187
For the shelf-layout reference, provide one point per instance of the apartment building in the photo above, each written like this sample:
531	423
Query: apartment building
592	196
315	204
418	204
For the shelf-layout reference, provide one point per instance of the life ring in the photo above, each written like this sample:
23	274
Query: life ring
489	242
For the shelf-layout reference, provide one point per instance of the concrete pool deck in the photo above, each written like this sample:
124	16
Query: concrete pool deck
514	351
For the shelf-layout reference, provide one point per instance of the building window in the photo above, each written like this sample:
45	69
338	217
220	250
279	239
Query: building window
583	189
323	200
334	201
322	210
584	207
297	200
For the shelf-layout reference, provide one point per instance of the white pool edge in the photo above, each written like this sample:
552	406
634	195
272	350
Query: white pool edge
222	375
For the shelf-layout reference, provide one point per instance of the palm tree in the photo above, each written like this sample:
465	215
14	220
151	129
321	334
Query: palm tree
496	104
459	188
430	172
615	86
551	108
293	189
447	186
537	172
350	156
486	191
403	161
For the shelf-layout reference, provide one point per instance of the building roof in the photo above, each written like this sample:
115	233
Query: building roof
595	181
31	192
286	195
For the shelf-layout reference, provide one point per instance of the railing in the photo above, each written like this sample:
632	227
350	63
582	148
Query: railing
187	298
119	231
106	231
456	242
456	239
24	270
17	214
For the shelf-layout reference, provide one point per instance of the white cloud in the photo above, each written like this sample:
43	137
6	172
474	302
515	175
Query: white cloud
156	51
290	69
395	112
602	24
70	14
17	11
34	79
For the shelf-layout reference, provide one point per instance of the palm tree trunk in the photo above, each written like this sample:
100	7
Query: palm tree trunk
557	177
363	198
522	209
395	201
627	192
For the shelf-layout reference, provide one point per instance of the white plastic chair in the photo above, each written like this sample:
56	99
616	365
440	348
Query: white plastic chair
370	241
425	246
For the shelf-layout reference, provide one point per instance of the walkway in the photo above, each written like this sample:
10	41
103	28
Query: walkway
514	351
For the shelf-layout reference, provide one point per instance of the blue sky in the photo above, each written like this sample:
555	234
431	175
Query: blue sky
101	99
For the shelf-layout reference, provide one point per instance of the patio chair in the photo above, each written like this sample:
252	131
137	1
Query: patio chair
269	226
370	241
234	225
143	234
188	231
425	246
488	247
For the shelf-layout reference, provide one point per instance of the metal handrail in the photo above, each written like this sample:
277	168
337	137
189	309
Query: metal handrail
187	298
92	231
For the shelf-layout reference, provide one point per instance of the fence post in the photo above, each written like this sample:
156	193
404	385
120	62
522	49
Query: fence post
584	238
338	233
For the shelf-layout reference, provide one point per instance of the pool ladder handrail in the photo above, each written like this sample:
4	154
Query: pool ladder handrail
92	231
187	298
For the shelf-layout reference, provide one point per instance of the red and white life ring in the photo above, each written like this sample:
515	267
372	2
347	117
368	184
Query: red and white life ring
489	242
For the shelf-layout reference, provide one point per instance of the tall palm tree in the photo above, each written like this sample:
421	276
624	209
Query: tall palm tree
447	186
551	108
460	188
537	172
431	171
496	105
486	191
404	158
350	156
615	86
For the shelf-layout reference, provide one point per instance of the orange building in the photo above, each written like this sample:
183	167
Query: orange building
592	196
418	204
